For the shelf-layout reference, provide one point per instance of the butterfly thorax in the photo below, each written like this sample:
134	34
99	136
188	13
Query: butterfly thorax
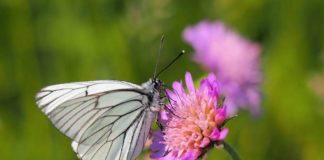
153	88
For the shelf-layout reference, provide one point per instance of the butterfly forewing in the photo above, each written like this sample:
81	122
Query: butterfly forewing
105	119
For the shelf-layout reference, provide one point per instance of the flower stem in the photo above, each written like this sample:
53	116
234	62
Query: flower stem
231	151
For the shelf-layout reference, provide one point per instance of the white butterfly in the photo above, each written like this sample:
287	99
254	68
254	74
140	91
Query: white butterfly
105	119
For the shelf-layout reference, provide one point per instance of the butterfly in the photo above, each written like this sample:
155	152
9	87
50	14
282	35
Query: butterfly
105	119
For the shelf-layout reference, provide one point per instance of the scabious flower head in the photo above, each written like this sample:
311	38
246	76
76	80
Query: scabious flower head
235	60
191	122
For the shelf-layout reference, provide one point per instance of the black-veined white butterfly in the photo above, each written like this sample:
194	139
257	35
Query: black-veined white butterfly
105	119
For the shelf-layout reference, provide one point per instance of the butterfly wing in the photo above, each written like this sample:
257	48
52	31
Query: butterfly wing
105	119
102	142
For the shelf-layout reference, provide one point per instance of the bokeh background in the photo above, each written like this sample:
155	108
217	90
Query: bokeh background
45	42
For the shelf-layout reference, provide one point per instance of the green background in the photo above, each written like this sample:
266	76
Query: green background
44	42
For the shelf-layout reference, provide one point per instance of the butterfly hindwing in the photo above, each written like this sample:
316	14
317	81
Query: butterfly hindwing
123	142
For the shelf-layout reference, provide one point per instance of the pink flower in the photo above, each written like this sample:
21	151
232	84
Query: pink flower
191	121
235	60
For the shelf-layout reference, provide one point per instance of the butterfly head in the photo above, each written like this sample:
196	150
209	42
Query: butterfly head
157	84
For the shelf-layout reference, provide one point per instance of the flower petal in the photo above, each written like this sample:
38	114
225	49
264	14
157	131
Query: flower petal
191	154
178	89
214	135
157	146
221	115
158	138
223	134
163	117
204	86
172	96
189	83
204	142
212	77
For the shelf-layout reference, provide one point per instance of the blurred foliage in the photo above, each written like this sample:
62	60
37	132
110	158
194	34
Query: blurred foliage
49	42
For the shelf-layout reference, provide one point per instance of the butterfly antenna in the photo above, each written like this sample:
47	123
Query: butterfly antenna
158	57
174	60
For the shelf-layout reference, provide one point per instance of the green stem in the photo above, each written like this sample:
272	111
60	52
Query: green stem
231	151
